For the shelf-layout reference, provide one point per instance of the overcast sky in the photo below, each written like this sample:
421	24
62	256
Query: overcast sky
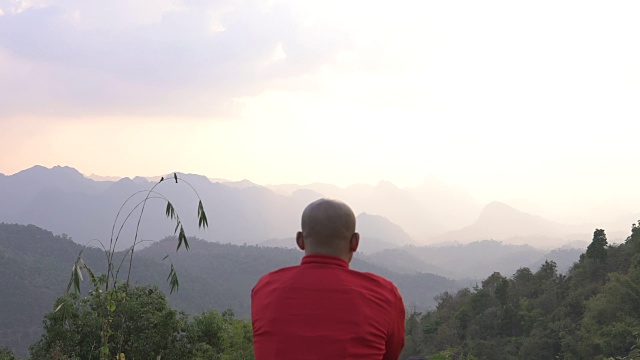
537	101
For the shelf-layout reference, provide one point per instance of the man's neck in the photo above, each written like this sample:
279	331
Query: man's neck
345	257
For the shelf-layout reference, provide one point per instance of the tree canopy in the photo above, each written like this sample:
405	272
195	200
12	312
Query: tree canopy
592	312
147	328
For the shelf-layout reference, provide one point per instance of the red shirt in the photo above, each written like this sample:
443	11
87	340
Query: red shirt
321	309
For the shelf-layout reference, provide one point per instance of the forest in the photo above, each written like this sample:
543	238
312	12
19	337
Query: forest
590	312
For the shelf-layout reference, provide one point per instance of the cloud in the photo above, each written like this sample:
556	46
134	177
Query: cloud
122	58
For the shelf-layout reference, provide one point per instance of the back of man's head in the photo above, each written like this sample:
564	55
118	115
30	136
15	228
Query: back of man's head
328	228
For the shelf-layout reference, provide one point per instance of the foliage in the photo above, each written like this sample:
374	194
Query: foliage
152	330
110	292
220	336
591	313
6	354
597	249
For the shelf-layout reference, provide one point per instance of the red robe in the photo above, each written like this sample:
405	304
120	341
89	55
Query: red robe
321	309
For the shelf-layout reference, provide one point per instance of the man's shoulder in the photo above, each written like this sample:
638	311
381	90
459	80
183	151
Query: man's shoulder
275	274
380	281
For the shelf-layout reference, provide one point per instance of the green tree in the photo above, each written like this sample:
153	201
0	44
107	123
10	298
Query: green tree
597	249
150	329
212	335
6	354
238	339
634	238
413	335
612	318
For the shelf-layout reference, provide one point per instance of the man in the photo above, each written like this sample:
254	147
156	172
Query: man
321	309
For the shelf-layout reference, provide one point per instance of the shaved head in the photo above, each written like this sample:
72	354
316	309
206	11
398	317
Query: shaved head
329	228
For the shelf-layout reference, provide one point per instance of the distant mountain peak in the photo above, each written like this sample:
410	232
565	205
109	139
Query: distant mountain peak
244	183
387	185
502	222
39	170
64	168
36	169
376	226
96	177
499	211
140	180
498	205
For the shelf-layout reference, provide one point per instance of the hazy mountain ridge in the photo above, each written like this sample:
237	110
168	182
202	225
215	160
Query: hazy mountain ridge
85	209
379	227
402	260
474	260
423	212
499	221
65	201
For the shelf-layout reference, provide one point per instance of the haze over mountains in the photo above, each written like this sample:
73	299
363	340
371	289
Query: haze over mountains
63	200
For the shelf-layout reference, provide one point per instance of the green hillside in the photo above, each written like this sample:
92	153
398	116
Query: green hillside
591	313
35	267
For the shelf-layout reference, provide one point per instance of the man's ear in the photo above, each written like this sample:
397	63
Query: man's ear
300	240
354	242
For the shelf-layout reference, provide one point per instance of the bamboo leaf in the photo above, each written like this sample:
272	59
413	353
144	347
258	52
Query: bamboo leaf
63	310
174	283
170	273
177	226
76	278
173	280
73	272
164	258
170	211
79	271
182	238
203	222
93	278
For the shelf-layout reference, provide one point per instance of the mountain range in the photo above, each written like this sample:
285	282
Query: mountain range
63	200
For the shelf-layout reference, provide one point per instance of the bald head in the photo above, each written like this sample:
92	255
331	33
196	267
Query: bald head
328	228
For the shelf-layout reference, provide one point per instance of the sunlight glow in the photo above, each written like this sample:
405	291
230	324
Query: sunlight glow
508	100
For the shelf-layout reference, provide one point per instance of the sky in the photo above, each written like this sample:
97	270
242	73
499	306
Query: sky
531	102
